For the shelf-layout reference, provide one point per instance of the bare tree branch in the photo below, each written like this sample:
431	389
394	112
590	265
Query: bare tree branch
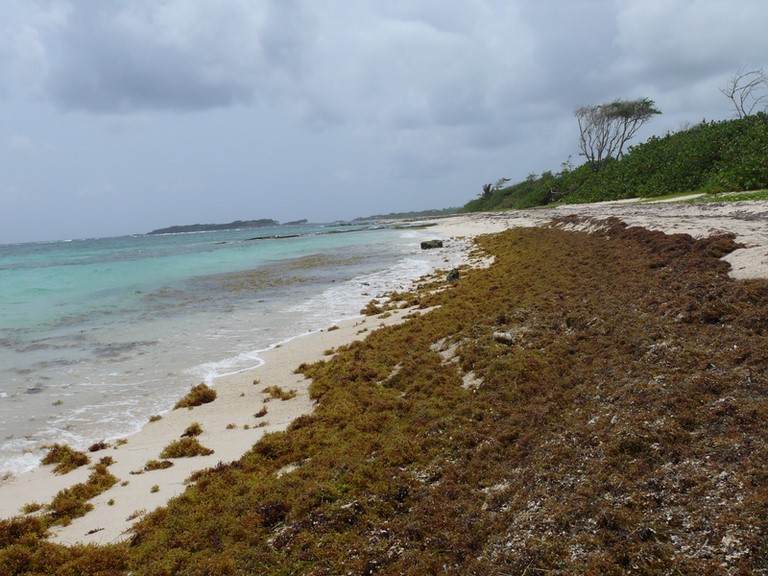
748	91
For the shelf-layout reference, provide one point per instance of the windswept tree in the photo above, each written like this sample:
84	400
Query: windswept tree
604	129
748	92
489	189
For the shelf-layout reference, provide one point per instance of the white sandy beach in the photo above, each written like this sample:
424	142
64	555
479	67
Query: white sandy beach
239	398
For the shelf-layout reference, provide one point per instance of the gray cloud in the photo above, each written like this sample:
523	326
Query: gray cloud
24	31
420	100
173	55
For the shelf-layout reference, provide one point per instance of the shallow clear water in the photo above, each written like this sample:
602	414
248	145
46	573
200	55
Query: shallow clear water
97	335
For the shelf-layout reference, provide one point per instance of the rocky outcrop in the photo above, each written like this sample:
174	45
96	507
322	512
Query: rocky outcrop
430	244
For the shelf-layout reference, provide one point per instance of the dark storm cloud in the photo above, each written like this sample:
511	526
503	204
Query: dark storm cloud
392	65
139	55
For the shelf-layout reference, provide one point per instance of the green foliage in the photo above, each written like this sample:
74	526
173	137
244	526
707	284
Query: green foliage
725	156
65	458
711	157
525	194
200	394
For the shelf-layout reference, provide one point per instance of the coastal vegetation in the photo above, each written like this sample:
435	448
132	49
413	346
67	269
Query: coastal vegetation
604	129
710	157
617	428
435	213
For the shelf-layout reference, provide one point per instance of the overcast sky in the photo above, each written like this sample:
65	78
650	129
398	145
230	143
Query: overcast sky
121	116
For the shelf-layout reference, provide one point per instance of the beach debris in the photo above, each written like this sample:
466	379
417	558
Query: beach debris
192	430
65	458
273	392
185	448
200	394
157	465
453	275
429	244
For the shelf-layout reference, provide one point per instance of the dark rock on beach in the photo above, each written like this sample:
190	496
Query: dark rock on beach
429	244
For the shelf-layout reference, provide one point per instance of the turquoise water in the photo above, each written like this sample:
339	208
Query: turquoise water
96	335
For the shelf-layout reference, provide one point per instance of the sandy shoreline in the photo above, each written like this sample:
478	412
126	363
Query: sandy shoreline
747	220
239	398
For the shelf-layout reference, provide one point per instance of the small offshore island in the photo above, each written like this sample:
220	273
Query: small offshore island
236	225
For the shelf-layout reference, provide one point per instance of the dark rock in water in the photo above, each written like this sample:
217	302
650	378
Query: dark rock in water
429	244
453	275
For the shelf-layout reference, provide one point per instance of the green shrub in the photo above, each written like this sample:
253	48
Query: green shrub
724	156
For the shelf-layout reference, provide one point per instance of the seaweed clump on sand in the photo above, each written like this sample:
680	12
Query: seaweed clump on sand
65	457
618	429
197	396
187	447
25	550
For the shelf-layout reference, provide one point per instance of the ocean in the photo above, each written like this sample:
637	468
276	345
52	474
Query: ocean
97	335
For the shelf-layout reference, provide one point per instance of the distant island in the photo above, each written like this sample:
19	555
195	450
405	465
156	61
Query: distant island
237	224
296	222
406	215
